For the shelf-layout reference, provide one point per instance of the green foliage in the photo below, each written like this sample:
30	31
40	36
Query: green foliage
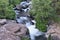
43	11
56	5
14	2
24	38
3	5
9	13
6	8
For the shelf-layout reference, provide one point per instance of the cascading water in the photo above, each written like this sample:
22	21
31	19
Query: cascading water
22	10
33	31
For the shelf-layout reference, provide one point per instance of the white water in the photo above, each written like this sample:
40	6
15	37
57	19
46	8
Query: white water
22	20
24	4
33	31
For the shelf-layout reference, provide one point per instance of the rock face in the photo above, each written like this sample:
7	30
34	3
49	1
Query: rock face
54	31
12	31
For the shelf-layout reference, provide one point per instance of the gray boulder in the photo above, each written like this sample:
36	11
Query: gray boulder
54	31
12	31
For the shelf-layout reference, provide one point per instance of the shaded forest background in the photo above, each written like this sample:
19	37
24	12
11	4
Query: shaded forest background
42	10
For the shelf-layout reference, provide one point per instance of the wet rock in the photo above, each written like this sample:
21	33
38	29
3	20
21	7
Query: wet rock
41	37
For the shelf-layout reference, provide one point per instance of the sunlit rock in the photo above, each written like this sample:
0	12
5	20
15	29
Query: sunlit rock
3	21
12	31
54	31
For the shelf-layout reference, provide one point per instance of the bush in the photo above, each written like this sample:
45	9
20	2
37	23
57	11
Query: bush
43	12
9	12
6	8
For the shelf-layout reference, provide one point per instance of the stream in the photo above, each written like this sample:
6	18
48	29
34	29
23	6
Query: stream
34	33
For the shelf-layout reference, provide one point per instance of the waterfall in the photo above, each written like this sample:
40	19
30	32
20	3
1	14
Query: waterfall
33	31
31	25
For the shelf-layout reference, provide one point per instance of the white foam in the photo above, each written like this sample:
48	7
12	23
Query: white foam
33	31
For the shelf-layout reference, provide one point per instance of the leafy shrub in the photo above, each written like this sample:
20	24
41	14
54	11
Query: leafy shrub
43	12
6	8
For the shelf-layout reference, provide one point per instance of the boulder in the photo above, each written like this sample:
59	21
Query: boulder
54	31
12	31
